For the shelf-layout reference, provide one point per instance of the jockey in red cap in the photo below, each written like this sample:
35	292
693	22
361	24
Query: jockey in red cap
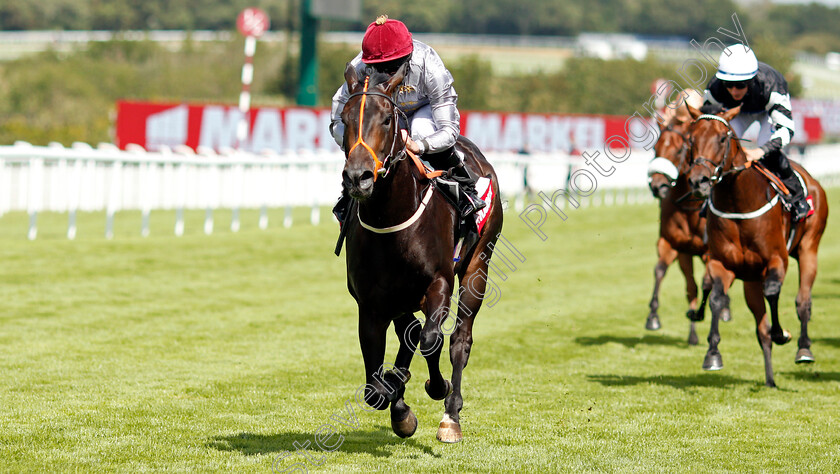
426	96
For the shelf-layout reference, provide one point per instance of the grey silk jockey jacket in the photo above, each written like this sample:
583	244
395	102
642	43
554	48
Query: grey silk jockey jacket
426	82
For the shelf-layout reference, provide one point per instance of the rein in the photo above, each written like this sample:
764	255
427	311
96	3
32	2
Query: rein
382	166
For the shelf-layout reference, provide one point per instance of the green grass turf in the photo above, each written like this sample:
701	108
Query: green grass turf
218	353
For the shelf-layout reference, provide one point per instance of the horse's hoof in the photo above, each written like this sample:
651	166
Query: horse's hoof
692	338
694	316
780	338
804	356
449	431
652	323
713	362
448	389
725	315
406	427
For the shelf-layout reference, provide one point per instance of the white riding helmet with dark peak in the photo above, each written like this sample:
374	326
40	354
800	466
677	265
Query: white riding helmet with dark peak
739	64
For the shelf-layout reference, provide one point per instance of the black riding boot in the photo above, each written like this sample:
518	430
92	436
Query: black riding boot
471	202
458	172
778	163
798	204
342	207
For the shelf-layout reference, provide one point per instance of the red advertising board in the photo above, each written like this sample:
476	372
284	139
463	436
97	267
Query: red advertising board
152	125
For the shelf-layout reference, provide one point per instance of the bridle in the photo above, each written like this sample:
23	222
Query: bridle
380	167
716	172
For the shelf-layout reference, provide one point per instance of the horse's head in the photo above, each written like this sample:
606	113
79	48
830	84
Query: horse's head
371	129
713	151
670	157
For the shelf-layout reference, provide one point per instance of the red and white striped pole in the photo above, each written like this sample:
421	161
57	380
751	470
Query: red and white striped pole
252	23
245	94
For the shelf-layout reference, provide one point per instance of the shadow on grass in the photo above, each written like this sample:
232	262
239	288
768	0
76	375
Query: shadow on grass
814	376
631	342
682	382
375	443
831	341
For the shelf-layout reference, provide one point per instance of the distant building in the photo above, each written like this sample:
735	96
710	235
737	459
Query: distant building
610	46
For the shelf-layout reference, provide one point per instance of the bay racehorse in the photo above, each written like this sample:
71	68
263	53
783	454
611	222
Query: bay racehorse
750	236
681	227
401	238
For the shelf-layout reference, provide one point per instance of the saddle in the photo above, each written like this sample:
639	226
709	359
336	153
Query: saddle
781	189
469	228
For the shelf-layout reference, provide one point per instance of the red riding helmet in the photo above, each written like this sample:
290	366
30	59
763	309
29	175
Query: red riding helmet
386	40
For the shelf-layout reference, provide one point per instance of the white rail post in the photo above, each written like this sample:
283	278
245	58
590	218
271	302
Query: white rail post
287	218
114	195
265	190
181	200
74	189
238	171
145	193
205	181
36	194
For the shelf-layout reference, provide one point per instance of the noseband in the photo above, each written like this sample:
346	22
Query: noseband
380	167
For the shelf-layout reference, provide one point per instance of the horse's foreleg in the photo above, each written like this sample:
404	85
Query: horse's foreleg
372	331
807	274
721	281
773	279
436	309
667	255
754	294
403	420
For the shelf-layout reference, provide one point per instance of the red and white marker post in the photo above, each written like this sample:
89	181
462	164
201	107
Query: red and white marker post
252	23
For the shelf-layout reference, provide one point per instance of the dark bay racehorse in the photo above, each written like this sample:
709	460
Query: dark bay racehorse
400	244
680	226
749	236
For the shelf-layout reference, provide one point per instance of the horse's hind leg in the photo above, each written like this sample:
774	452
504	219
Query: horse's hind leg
807	274
667	255
719	301
754	294
460	343
403	420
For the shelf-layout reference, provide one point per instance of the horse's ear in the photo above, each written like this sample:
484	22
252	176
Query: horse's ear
396	79
661	125
351	76
731	113
693	112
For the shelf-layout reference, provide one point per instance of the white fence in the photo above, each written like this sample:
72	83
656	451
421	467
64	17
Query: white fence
82	178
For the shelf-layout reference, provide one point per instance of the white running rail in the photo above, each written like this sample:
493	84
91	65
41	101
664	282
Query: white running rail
55	178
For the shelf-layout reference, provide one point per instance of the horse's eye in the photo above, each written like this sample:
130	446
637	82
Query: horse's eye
387	121
722	139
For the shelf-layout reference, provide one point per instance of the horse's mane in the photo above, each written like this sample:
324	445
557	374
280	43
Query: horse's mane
376	77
